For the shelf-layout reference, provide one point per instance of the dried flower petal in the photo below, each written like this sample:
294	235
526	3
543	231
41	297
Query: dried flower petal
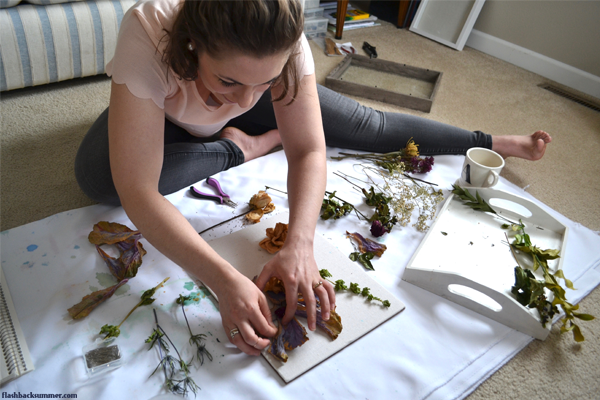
277	348
260	200
367	245
269	208
288	337
254	215
332	327
275	291
93	300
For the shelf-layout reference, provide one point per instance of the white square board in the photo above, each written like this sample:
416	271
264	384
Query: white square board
359	316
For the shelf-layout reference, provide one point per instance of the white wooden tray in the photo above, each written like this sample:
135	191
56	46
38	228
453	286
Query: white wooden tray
465	257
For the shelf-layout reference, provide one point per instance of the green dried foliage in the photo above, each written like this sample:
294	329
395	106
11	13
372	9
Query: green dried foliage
332	209
146	299
175	370
340	285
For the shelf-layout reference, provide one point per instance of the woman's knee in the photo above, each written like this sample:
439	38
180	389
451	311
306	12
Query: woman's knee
92	164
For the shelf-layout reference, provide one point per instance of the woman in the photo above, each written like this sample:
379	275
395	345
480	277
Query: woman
180	73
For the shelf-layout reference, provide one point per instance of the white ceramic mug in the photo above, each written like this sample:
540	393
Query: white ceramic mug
481	168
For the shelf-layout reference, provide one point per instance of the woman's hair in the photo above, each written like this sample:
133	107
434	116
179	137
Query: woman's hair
258	28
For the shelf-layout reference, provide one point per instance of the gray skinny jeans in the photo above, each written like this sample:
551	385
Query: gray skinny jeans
347	124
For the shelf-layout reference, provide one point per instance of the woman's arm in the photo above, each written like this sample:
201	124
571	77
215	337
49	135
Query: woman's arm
301	130
136	141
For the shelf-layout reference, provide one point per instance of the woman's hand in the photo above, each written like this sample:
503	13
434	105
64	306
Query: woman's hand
244	307
295	265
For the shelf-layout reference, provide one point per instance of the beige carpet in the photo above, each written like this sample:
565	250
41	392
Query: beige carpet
42	128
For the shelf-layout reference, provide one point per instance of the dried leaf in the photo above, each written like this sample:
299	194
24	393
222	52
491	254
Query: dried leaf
93	300
127	242
105	232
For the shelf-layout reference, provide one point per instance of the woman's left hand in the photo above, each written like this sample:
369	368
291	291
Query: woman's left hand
295	266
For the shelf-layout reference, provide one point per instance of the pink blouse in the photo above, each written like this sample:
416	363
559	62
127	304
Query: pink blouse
138	64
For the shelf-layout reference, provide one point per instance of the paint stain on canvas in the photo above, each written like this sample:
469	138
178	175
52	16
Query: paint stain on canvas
106	279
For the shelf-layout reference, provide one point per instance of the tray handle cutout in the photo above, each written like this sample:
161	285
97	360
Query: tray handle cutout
510	206
476	296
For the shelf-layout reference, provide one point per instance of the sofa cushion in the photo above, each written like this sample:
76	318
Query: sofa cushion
43	44
47	2
8	3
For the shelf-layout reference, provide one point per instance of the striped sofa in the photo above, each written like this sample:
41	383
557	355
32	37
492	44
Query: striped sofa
43	41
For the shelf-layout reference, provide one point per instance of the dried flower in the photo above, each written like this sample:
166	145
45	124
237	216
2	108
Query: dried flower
420	165
260	200
275	238
411	149
377	229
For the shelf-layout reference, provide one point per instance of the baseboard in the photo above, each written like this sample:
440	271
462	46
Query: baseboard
535	62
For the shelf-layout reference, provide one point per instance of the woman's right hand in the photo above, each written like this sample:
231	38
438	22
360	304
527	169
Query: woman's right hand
244	307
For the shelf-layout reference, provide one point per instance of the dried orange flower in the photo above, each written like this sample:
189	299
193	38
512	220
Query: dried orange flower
260	200
275	238
255	215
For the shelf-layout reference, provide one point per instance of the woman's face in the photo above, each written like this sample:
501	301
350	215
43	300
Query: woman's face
239	78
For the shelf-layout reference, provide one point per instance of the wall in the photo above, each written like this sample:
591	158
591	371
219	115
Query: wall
567	31
556	39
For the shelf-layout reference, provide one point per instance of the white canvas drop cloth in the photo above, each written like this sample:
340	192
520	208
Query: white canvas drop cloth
434	349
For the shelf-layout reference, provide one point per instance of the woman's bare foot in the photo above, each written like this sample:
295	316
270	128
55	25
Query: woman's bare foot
530	147
252	146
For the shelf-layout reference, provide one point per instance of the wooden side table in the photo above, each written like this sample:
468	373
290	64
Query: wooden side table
342	7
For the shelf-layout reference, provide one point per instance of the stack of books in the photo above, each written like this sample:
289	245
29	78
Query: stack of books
354	18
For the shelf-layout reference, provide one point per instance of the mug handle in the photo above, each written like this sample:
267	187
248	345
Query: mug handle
493	175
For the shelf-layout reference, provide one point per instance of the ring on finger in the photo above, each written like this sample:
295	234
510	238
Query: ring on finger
234	332
317	285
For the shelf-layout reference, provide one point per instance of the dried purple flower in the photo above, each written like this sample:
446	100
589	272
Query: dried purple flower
377	229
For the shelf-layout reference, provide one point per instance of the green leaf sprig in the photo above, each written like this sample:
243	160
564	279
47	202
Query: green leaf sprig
530	292
146	299
364	259
195	340
340	285
176	371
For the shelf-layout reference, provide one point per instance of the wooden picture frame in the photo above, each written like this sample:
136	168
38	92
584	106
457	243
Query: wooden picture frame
448	22
335	81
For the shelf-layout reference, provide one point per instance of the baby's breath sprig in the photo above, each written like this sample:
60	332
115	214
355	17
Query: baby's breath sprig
195	340
340	285
404	195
